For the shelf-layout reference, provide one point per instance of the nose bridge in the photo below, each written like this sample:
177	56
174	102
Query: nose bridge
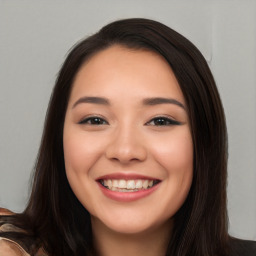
126	144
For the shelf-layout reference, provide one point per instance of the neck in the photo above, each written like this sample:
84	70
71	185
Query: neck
152	242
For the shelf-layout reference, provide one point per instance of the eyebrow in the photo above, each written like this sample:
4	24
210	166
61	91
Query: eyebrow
147	101
159	100
94	100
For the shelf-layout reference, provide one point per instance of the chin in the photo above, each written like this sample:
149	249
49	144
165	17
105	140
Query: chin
129	228
130	223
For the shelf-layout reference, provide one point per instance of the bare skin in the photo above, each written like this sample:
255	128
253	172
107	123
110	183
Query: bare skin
150	243
126	122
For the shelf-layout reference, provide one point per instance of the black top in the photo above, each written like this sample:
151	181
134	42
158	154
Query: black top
243	247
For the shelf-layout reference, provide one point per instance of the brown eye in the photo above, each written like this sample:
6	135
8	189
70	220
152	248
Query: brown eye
163	121
93	121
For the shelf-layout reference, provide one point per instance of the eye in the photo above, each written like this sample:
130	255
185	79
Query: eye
93	120
162	121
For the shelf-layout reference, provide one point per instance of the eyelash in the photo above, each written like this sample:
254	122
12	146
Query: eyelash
164	121
88	120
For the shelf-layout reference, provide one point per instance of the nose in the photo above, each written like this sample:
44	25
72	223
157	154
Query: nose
126	146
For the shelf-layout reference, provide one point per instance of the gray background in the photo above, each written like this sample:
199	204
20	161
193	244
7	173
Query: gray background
36	35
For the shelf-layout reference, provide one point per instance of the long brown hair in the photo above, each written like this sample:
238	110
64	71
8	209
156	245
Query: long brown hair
55	216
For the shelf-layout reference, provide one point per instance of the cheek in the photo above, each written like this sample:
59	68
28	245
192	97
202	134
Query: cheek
79	160
80	151
176	158
175	153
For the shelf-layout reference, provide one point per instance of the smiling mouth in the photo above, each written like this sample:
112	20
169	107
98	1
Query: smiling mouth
121	185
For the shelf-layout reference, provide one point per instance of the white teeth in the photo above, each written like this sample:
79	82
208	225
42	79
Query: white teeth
115	183
130	184
139	184
122	184
145	184
127	185
109	184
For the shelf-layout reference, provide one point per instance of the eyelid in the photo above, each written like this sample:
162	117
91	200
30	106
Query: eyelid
171	120
90	117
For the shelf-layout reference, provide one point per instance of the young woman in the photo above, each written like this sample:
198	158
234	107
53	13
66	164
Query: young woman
133	158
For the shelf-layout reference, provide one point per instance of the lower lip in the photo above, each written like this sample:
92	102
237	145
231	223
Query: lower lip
127	196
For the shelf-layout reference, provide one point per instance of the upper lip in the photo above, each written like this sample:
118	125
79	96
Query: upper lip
125	176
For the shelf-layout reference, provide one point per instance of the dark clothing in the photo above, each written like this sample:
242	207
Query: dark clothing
243	247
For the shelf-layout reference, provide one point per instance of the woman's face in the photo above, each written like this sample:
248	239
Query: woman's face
127	143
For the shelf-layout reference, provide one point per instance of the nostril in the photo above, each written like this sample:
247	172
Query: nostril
126	153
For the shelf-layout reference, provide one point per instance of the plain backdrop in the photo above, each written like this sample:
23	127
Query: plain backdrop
36	35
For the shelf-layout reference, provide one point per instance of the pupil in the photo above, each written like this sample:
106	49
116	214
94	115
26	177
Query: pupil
96	121
160	121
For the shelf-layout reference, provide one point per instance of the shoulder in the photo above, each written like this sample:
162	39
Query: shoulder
9	247
5	212
5	223
10	244
243	247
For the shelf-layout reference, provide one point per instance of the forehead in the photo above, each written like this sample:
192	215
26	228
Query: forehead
120	70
